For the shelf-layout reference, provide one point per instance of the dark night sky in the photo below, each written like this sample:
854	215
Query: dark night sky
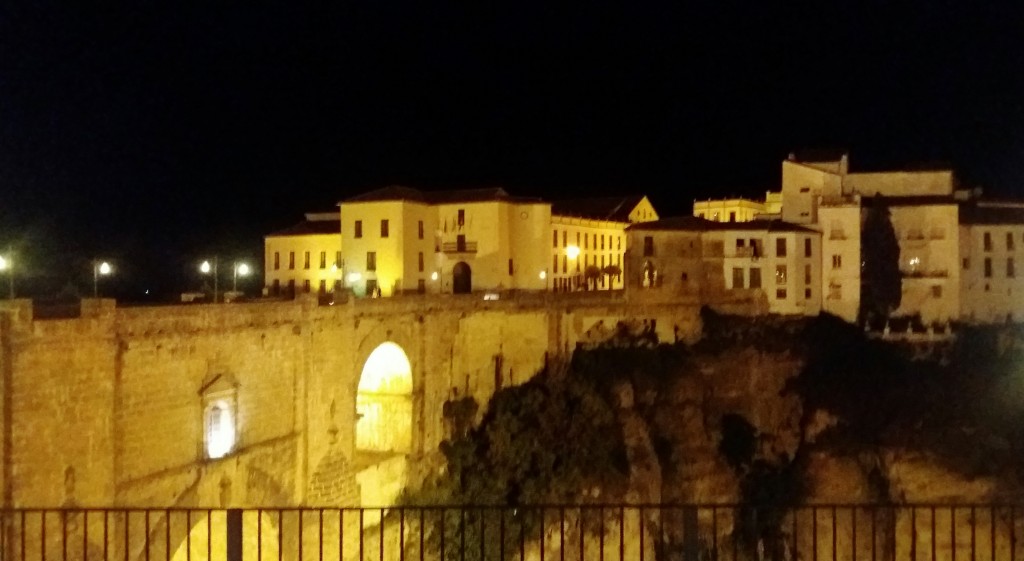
153	135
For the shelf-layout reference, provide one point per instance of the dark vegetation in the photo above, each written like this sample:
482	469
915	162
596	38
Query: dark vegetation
557	438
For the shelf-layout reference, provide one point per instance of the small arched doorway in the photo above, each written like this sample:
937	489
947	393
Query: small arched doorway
462	278
384	401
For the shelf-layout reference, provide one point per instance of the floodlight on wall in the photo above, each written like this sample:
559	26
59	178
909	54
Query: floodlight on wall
354	277
433	276
572	251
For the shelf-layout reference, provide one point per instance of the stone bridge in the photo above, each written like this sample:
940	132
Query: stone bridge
269	403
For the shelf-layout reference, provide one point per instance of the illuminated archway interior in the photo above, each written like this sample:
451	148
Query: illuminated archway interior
384	401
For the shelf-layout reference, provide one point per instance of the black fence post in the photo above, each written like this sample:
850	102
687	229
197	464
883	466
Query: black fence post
234	534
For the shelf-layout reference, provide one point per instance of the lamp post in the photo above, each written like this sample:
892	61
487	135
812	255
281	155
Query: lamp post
99	268
206	269
544	277
240	269
7	265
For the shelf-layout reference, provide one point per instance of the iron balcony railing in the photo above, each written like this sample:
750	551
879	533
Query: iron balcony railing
455	247
612	532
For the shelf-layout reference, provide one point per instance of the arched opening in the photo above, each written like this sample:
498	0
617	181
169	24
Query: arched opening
462	278
384	401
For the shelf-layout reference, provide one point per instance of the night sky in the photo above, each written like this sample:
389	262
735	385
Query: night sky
156	135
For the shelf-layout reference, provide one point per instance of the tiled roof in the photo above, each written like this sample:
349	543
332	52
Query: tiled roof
994	215
694	224
615	209
308	227
402	193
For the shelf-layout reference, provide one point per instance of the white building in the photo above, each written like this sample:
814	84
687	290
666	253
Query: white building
991	247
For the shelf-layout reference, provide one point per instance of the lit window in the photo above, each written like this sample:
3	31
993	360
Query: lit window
220	421
220	430
780	274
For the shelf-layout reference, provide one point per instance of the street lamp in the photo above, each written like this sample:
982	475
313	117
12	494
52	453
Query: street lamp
206	269
6	265
239	270
99	268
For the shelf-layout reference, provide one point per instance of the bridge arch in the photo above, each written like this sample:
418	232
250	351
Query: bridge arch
384	401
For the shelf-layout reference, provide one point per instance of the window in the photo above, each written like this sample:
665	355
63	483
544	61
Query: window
371	288
966	263
805	189
305	260
1009	241
554	238
685	277
740	242
462	217
291	259
988	241
323	259
807	274
323	286
835	291
586	241
737	277
837	261
988	267
384	230
460	243
780	274
419	229
732	217
936	291
554	264
780	293
419	261
219	418
807	294
565	264
780	247
359	228
1010	269
337	259
648	246
619	244
371	260
565	238
511	269
305	286
755	277
602	242
807	247
421	285
277	260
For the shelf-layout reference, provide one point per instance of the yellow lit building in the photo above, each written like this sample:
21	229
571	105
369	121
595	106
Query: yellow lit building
991	240
403	240
588	241
304	257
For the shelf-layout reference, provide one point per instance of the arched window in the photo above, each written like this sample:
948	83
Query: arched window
220	416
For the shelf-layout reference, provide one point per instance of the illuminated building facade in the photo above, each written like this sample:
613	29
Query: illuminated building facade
400	240
305	257
588	241
768	259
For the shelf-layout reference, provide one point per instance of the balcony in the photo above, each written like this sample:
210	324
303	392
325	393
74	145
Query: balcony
458	247
924	274
748	251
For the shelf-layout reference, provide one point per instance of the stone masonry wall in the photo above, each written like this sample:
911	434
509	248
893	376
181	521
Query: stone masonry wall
106	409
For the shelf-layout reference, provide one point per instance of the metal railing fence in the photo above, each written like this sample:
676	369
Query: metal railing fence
610	532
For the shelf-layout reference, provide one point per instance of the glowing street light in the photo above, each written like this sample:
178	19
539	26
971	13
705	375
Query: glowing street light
7	265
99	268
572	251
206	269
239	270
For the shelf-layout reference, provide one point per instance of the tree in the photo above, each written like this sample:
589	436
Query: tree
881	282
